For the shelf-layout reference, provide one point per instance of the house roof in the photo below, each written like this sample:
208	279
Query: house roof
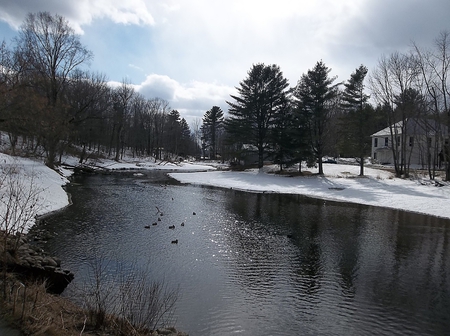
414	126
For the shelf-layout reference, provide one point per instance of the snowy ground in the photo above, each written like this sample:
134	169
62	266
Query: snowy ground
340	183
31	188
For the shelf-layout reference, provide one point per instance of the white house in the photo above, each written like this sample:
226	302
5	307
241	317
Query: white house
422	140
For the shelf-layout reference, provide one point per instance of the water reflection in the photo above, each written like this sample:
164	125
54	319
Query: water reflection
265	263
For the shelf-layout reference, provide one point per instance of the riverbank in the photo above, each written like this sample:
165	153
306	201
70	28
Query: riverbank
340	183
28	190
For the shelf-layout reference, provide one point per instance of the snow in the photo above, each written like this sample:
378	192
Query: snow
140	163
24	177
340	183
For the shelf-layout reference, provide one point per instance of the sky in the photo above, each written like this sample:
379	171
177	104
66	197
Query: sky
194	53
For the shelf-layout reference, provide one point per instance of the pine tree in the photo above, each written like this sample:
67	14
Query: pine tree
284	136
212	124
253	112
315	103
357	114
185	138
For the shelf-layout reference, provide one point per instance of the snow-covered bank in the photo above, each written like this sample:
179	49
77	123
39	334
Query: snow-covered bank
31	188
340	183
144	164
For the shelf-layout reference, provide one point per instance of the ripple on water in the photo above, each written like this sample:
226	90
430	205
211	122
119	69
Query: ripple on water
263	264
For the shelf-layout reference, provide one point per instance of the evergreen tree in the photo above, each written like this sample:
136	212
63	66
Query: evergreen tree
283	136
357	116
254	110
212	124
173	132
315	103
300	139
185	138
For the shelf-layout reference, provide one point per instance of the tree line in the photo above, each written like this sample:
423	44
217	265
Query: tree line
289	125
318	117
51	102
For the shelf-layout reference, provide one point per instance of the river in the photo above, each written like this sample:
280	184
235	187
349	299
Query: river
260	264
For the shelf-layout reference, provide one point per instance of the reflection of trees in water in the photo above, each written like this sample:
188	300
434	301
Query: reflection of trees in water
367	257
258	236
417	271
310	258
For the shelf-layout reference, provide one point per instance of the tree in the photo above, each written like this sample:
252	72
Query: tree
85	98
315	99
284	135
122	99
254	109
186	140
390	81
173	134
357	114
212	124
434	68
52	52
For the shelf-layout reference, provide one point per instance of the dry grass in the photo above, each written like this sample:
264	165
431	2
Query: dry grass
34	311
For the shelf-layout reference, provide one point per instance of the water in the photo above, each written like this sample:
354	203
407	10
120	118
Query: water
262	264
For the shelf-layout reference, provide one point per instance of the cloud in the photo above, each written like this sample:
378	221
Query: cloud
201	49
80	12
191	99
135	67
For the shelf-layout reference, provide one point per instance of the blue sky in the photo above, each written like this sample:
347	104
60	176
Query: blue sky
194	52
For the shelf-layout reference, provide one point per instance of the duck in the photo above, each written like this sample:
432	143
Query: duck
182	224
172	227
155	223
147	226
194	213
159	219
175	241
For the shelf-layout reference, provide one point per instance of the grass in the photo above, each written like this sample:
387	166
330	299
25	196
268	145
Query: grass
29	308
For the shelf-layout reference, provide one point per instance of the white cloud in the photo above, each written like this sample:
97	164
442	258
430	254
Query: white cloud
191	99
135	67
201	49
80	12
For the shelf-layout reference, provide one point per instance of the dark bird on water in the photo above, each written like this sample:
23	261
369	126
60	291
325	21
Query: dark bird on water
182	224
194	213
172	227
147	226
175	241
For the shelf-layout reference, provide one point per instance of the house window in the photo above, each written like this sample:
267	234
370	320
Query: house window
411	141
386	142
375	156
398	141
375	142
430	142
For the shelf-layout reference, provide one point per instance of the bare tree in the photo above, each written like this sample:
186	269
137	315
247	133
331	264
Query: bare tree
434	65
52	52
390	82
122	97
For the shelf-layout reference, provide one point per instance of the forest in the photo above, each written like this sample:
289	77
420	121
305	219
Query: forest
54	106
